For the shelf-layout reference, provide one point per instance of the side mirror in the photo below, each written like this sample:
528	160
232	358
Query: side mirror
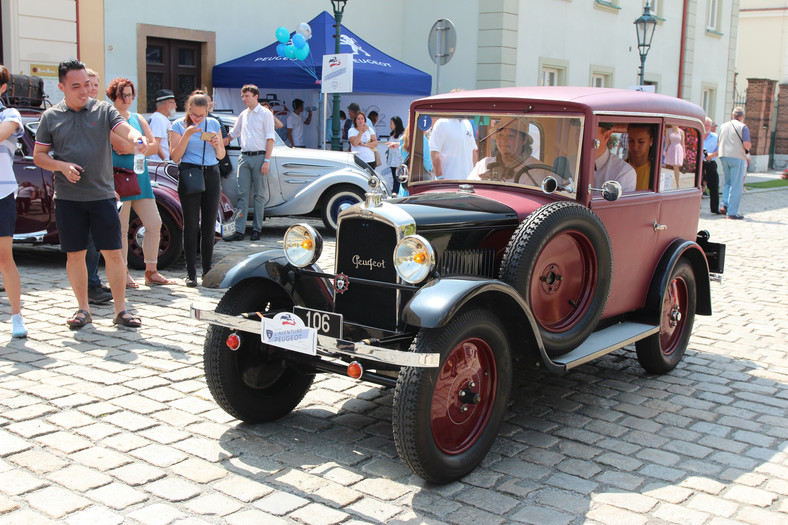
549	184
19	151
611	190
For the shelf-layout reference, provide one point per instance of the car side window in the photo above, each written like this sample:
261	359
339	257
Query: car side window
641	152
679	157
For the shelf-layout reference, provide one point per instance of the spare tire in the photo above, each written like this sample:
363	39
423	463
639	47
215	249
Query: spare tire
559	259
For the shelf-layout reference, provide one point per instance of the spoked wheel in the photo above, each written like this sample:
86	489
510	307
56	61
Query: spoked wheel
253	383
661	352
446	419
560	261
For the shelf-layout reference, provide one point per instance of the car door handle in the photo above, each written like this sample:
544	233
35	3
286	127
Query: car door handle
658	226
31	167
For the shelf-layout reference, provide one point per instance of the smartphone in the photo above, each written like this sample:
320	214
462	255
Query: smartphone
206	135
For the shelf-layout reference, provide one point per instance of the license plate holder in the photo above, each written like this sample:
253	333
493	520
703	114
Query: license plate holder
326	323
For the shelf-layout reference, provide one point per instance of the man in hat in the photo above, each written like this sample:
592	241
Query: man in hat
160	123
609	167
510	164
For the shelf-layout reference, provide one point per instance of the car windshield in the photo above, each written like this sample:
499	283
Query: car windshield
497	148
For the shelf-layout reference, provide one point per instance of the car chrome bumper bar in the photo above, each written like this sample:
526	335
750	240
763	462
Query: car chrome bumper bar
30	237
325	344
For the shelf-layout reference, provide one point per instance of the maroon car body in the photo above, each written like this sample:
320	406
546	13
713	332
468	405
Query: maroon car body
520	254
35	221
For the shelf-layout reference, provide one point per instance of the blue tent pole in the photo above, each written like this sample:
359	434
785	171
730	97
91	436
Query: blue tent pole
339	8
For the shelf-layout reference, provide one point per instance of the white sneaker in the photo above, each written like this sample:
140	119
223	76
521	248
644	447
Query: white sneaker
18	326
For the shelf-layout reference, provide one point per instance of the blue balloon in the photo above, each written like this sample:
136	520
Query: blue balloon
280	50
283	35
290	51
302	53
299	40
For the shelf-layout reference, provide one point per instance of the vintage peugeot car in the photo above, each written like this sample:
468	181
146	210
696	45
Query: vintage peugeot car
524	256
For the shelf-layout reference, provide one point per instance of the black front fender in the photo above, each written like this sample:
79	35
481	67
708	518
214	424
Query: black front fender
272	266
437	302
677	250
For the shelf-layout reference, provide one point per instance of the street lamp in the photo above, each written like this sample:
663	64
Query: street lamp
339	8
645	26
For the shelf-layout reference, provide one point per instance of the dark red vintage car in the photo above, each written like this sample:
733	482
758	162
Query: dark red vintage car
35	221
544	245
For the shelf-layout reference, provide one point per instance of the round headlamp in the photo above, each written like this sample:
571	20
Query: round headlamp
303	245
414	259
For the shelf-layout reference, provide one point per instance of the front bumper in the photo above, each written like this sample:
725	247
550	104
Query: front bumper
326	346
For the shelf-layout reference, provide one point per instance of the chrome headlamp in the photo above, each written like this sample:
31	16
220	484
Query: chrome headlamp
414	259
303	245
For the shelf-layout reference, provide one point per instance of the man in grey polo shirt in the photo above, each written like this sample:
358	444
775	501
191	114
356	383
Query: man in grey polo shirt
76	131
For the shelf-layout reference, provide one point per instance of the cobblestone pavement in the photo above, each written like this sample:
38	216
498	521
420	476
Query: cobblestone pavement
109	425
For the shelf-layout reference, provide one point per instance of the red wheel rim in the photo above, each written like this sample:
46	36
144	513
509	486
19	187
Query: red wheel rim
468	370
674	312
563	281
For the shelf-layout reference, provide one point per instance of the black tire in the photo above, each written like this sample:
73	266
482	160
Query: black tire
335	200
434	436
559	259
170	245
661	352
252	383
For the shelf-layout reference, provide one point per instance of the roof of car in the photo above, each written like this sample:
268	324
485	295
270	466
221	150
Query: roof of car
596	100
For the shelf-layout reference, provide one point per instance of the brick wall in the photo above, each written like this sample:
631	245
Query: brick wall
758	117
781	138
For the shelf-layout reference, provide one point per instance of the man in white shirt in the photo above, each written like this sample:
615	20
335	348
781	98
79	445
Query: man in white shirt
609	167
160	123
254	130
453	148
296	123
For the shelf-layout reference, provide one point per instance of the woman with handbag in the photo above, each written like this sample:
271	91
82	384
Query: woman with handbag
196	144
121	92
363	140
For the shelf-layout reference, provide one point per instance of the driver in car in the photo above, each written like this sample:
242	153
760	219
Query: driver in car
511	163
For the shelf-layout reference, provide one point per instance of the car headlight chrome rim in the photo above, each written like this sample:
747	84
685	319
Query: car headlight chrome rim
414	259
303	245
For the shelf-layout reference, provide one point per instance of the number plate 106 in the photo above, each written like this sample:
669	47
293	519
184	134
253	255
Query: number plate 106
326	323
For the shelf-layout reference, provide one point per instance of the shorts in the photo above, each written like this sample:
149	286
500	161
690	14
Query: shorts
7	216
75	219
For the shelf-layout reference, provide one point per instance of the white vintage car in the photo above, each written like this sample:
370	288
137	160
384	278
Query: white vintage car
305	181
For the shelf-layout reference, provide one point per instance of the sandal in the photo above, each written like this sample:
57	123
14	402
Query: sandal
130	283
126	319
154	278
79	319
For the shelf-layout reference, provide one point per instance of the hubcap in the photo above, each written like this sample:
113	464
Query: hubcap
464	396
674	304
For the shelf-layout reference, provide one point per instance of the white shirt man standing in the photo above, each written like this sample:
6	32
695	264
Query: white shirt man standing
160	123
296	123
254	130
453	148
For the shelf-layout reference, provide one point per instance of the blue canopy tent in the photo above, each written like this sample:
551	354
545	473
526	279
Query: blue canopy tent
380	82
373	70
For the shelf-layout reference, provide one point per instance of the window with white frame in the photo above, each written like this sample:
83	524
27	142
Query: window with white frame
598	81
549	76
712	15
707	100
655	6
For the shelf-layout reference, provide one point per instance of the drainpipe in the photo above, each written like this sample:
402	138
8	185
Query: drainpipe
682	47
78	54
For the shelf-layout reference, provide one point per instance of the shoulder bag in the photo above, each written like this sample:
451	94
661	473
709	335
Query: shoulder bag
191	178
126	183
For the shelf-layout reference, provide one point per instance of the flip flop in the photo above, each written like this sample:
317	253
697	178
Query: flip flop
79	319
132	284
124	318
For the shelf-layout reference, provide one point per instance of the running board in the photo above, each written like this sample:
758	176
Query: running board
601	343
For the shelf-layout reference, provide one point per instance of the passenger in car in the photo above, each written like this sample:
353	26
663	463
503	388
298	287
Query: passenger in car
641	140
609	167
511	162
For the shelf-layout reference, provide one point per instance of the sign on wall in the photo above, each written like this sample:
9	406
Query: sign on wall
337	73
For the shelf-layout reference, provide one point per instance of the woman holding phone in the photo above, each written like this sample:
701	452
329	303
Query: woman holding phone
121	92
196	142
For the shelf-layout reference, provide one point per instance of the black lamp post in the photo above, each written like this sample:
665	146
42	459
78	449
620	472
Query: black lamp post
339	8
645	26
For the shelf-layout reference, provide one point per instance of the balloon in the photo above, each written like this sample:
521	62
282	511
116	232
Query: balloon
302	53
290	51
280	50
298	40
304	29
283	35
